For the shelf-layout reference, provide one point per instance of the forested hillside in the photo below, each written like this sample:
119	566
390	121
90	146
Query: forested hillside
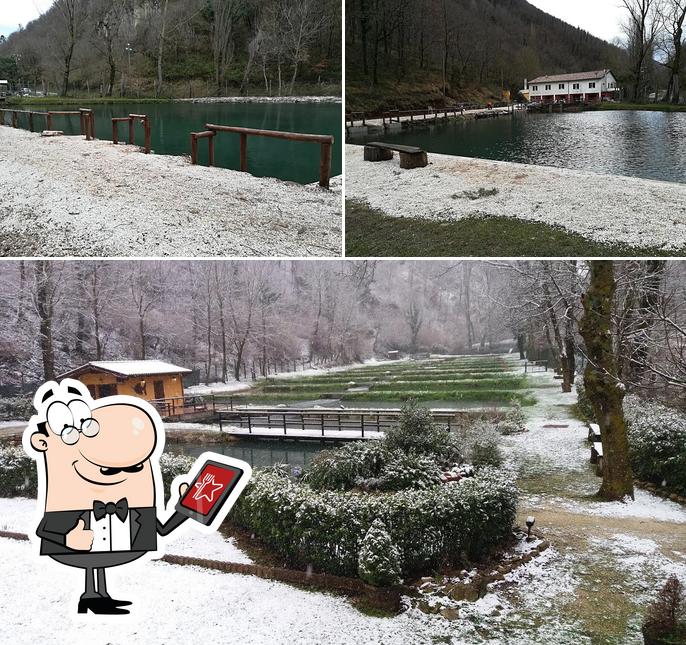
405	53
179	48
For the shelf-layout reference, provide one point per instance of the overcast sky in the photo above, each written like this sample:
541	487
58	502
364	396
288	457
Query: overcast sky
19	12
602	18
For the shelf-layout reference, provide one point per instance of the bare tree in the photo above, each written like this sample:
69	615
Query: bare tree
71	16
673	17
226	14
642	30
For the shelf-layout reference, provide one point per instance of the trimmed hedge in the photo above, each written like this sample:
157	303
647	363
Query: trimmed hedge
16	408
18	473
657	440
446	524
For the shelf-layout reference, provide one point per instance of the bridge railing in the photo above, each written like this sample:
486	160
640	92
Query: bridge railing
327	423
182	405
325	141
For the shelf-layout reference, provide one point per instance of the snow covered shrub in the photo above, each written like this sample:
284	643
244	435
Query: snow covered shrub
666	617
514	421
342	468
16	408
18	476
481	442
657	438
417	434
326	529
172	466
379	559
404	471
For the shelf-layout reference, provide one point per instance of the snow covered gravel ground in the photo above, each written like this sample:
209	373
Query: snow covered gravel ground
604	208
64	196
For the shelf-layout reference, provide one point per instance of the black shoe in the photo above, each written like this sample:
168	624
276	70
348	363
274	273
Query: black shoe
116	603
99	606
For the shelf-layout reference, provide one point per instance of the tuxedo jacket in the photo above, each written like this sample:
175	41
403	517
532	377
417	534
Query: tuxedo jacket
144	524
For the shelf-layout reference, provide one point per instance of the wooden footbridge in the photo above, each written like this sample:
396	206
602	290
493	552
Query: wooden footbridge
313	423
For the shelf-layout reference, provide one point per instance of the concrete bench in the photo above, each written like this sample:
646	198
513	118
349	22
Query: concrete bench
410	156
593	432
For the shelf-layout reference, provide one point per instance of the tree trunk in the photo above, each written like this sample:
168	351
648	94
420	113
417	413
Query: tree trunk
160	51
44	289
604	390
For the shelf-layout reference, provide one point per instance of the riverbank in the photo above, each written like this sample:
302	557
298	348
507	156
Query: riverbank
104	100
64	196
603	209
263	99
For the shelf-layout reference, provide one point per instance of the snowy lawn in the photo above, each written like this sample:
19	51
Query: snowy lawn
64	196
606	209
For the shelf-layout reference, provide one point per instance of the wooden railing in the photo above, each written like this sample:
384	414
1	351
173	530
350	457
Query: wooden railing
15	119
535	366
132	119
86	119
324	423
325	141
183	405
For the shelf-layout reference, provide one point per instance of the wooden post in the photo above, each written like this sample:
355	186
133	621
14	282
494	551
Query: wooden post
14	120
284	424
115	132
244	153
210	144
194	149
325	166
146	125
131	137
31	121
49	125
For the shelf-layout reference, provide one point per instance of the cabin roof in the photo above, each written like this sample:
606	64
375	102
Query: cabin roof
128	368
577	76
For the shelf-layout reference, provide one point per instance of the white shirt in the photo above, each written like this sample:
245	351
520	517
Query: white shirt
110	533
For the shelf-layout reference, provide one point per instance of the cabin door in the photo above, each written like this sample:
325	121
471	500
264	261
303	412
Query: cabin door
159	389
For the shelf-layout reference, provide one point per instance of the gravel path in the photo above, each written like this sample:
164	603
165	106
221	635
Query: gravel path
66	197
607	209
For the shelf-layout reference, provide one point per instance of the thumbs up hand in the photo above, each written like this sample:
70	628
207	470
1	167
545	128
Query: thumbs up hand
80	538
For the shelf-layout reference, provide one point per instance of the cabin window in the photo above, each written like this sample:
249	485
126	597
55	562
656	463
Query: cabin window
591	86
561	86
535	88
107	389
575	86
548	87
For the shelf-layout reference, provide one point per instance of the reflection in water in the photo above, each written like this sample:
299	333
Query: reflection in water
172	124
258	453
651	145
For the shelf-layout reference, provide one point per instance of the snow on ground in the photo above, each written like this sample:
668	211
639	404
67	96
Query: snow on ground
604	208
204	389
17	516
65	196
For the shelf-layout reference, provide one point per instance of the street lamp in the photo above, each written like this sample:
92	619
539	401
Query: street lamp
530	521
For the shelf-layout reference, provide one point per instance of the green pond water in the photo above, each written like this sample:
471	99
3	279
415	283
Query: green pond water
651	145
172	124
259	453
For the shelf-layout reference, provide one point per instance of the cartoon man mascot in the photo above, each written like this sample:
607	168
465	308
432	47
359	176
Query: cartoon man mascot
100	485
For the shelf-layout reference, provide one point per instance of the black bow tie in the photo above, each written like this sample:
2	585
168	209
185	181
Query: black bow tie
121	509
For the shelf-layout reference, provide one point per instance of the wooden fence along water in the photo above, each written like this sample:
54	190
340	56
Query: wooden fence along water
86	119
132	119
325	141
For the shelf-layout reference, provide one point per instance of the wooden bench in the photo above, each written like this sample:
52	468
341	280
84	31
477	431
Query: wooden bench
410	156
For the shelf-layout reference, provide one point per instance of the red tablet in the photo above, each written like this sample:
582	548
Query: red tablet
209	491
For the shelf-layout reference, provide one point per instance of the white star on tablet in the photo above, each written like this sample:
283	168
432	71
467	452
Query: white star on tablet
202	488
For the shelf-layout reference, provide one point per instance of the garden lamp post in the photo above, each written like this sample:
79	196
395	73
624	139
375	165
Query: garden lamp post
530	521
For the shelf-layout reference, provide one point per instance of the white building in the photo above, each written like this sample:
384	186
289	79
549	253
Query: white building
580	87
4	88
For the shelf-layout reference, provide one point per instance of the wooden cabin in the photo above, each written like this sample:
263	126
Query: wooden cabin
149	380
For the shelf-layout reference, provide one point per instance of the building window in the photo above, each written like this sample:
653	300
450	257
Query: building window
535	88
548	87
561	86
575	86
591	86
